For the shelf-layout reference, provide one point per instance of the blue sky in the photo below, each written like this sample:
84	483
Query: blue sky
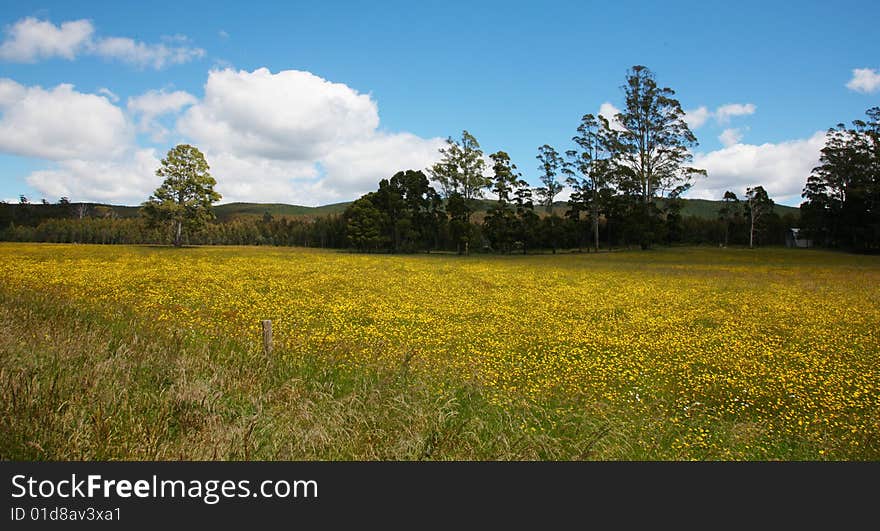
313	102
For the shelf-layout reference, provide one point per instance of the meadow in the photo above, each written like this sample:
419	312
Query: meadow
139	352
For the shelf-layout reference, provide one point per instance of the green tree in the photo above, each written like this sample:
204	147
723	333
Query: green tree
758	206
460	175
590	171
729	213
674	224
364	224
552	231
460	228
501	220
652	149
551	164
185	198
843	193
461	167
412	208
405	214
527	220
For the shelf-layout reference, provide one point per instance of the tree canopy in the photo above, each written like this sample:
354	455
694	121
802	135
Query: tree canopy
842	194
758	206
551	165
185	197
405	214
460	169
652	149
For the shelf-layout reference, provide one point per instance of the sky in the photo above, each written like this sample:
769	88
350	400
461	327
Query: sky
313	103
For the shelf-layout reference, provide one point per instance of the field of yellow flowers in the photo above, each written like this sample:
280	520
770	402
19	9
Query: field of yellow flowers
685	353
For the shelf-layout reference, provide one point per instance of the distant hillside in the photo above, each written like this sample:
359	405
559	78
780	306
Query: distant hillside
700	208
232	210
704	208
34	213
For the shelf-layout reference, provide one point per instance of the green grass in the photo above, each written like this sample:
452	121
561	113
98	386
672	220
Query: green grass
79	381
75	385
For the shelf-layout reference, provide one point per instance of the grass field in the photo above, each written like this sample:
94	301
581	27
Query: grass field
154	353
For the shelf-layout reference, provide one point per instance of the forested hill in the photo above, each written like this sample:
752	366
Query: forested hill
704	208
701	208
34	213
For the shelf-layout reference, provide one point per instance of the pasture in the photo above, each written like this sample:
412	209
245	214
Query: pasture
138	352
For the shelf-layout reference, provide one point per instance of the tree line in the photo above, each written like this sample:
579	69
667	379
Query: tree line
625	176
842	194
324	231
100	225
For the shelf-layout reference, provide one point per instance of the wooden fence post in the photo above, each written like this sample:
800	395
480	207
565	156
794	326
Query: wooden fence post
267	337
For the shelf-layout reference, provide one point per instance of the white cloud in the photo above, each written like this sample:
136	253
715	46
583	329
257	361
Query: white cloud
158	102
864	80
258	179
289	137
145	55
59	123
10	93
295	137
109	93
30	39
695	118
725	112
88	139
565	194
291	115
730	137
782	168
154	103
358	165
129	179
610	112
223	34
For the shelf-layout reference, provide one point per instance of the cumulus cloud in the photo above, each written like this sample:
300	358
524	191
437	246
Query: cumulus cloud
88	140
696	118
610	112
158	102
128	179
730	137
142	54
291	115
864	80
263	180
10	93
59	123
781	168
725	112
357	166
155	103
288	137
31	39
109	93
295	137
